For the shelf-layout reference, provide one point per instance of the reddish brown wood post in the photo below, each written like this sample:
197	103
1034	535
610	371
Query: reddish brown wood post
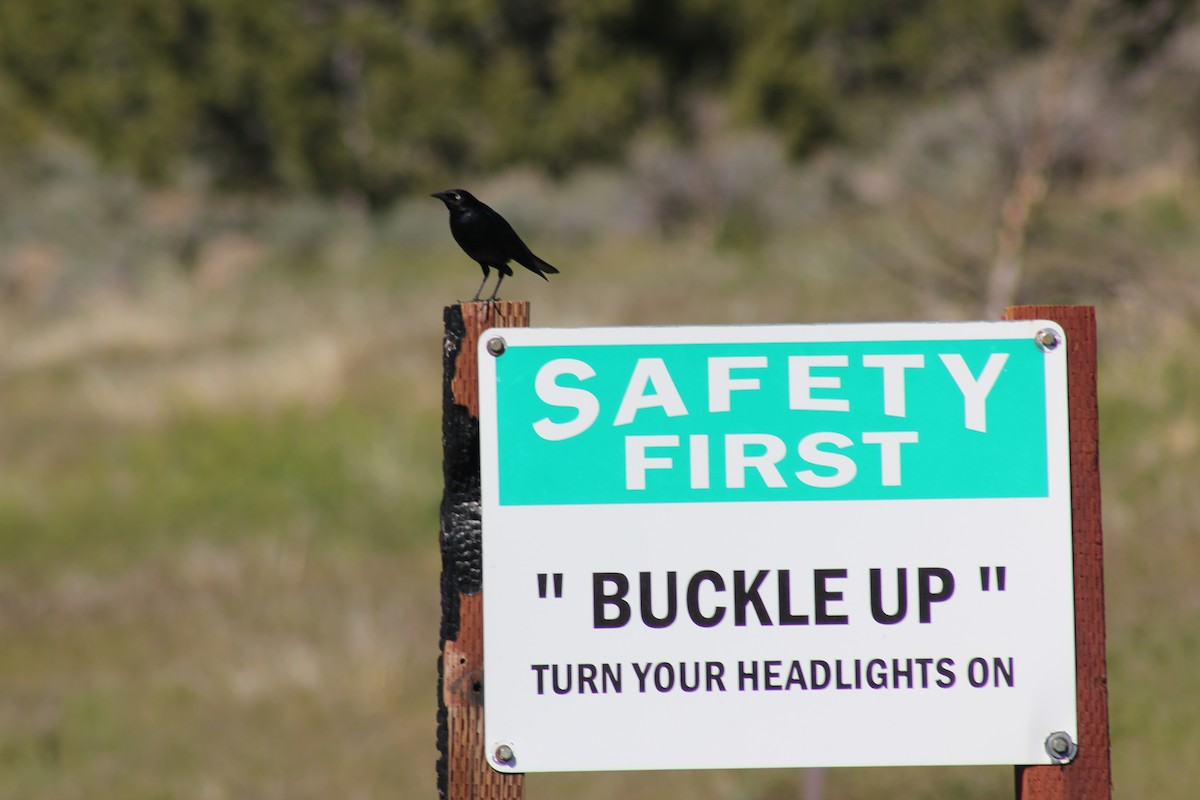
1089	776
462	770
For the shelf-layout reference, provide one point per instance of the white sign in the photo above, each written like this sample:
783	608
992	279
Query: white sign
776	546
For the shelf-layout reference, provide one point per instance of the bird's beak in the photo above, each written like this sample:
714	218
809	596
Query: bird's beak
439	195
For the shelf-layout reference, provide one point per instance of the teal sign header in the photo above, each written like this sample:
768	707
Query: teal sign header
675	422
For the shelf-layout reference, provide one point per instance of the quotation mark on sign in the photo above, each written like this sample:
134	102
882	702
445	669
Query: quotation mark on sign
542	581
985	578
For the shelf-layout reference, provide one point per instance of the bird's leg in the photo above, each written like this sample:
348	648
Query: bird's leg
481	283
493	297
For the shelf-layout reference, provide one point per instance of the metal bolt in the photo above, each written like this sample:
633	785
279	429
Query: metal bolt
503	754
1047	339
1061	747
496	346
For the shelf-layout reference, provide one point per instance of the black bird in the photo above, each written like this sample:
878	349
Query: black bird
487	237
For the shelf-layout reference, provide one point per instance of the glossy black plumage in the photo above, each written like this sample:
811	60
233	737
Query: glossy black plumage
487	237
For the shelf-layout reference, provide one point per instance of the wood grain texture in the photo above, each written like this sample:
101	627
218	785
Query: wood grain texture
478	317
463	769
1089	776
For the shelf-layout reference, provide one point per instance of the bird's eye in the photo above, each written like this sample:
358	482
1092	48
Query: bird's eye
456	196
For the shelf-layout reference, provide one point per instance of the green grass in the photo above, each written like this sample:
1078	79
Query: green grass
330	476
260	669
1150	436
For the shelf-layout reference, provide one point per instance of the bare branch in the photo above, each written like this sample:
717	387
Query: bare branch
1031	181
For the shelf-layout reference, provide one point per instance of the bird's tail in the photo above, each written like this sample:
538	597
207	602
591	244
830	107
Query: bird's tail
540	267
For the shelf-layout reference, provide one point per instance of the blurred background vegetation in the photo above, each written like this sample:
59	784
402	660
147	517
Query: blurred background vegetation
221	283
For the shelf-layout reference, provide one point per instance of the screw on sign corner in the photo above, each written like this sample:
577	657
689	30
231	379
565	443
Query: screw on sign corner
1047	339
1061	747
504	756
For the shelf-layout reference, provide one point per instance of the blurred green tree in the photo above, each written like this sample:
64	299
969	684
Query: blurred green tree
373	97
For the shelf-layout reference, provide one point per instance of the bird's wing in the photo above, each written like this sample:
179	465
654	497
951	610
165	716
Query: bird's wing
514	247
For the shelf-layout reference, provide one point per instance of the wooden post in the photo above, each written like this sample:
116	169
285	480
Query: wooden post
462	770
1089	775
